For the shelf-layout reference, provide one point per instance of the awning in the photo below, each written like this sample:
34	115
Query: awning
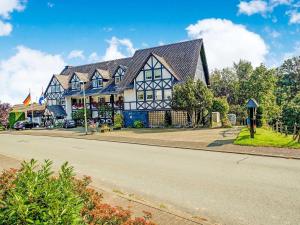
56	110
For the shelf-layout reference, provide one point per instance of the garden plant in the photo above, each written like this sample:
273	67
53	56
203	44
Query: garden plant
35	195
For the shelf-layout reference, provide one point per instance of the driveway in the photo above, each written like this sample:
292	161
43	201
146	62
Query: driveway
229	188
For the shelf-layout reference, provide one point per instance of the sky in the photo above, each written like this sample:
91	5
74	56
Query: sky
38	38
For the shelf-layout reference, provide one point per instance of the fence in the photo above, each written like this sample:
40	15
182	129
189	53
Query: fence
284	129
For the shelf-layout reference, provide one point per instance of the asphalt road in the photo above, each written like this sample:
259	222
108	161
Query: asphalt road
229	188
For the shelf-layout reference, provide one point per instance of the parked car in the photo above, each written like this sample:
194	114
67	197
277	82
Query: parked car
22	125
69	124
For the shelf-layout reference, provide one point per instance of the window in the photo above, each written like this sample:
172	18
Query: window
148	74
117	80
167	94
158	94
75	83
97	81
140	96
149	95
157	73
119	75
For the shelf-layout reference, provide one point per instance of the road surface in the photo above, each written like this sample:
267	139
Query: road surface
229	188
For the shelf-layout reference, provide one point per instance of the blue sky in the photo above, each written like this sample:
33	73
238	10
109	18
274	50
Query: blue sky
54	33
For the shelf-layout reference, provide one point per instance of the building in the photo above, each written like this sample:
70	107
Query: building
139	87
22	112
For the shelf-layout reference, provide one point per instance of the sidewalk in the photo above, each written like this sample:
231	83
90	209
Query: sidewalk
161	215
215	140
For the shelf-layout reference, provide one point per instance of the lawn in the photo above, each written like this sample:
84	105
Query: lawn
266	138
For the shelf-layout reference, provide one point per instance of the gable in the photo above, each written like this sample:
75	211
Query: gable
181	57
155	67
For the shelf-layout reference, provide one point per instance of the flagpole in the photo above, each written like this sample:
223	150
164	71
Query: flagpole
31	108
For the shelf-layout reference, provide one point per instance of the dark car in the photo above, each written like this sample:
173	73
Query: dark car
69	124
22	125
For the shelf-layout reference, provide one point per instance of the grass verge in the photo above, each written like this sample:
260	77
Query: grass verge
266	138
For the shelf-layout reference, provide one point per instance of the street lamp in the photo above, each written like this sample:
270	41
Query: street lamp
82	83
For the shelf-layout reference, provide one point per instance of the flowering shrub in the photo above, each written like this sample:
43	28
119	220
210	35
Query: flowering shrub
33	195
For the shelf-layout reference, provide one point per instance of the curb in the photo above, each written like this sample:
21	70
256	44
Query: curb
149	205
160	145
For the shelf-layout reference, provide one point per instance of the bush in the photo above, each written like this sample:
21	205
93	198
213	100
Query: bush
79	114
33	195
259	117
118	121
138	124
220	105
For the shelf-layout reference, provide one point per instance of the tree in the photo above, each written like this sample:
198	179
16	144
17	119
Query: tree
243	70
5	108
193	97
288	84
221	105
225	83
262	84
291	112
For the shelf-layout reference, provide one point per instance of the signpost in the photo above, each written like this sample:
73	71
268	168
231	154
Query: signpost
252	105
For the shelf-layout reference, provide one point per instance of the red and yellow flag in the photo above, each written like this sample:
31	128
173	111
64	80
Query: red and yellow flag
27	101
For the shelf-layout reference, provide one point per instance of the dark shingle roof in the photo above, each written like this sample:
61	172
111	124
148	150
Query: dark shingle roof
111	66
182	57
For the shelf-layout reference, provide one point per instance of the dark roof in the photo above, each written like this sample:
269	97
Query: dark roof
252	103
182	57
110	66
57	110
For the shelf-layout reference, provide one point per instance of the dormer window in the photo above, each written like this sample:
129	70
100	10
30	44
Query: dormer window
75	83
119	75
97	80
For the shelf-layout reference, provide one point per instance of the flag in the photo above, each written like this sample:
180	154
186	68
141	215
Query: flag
27	100
41	99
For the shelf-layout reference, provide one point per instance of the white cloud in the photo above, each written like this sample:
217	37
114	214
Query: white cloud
272	33
76	54
8	6
5	28
294	52
94	57
118	48
294	17
27	69
253	7
261	6
226	42
107	29
275	3
50	4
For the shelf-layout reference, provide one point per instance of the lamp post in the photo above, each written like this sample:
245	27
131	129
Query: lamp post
82	83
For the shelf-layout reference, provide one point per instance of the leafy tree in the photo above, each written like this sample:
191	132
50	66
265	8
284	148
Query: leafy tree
291	112
262	84
288	84
194	97
5	108
221	105
243	70
225	83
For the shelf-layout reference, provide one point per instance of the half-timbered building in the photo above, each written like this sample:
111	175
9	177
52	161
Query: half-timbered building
139	87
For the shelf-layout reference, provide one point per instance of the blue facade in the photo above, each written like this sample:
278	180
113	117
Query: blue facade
131	116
